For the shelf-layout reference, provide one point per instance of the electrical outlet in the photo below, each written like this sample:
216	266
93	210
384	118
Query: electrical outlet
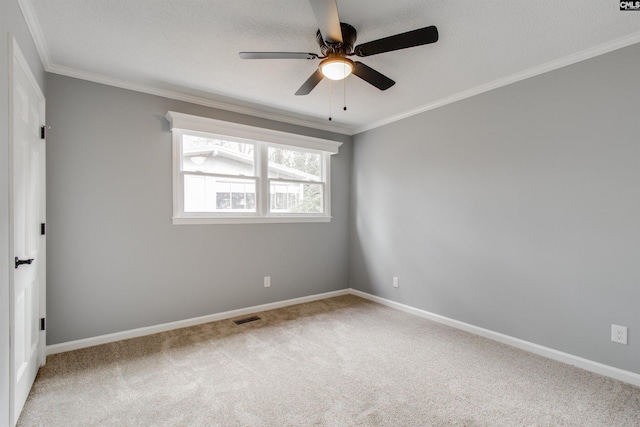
395	282
267	281
619	334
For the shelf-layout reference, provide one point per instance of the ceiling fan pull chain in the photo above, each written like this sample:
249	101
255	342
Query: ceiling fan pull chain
330	87
344	82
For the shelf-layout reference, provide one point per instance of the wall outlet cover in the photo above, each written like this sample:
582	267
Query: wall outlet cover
619	334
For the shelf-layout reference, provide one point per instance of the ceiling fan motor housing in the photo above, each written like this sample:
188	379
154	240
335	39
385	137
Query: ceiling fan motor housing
349	36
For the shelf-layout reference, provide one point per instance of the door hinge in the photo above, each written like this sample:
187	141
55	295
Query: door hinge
43	132
43	229
43	324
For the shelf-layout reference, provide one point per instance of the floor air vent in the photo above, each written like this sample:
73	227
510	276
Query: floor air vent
247	320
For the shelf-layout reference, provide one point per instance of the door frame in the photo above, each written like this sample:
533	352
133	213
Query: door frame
16	58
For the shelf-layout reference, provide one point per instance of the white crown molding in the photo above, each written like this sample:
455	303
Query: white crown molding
151	90
41	45
531	72
35	29
36	32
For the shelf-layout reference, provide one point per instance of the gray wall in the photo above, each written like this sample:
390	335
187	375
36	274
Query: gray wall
11	22
115	261
516	210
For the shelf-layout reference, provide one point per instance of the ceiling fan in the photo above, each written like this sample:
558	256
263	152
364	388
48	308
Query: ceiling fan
336	40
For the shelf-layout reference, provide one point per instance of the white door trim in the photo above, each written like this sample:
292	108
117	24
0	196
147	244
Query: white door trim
17	58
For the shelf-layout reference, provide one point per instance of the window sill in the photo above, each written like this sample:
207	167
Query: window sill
249	220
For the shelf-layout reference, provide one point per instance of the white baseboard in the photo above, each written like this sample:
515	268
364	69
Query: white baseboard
586	364
140	332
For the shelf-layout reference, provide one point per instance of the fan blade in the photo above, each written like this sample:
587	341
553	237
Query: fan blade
311	82
371	76
413	38
326	12
277	55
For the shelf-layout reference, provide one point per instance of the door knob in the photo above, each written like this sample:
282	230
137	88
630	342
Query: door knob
19	262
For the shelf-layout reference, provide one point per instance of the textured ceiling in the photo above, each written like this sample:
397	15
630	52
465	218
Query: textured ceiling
189	49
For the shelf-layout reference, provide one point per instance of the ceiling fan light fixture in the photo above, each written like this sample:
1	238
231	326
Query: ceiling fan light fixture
336	68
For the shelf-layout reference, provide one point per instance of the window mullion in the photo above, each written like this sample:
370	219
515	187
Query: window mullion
178	178
262	166
326	178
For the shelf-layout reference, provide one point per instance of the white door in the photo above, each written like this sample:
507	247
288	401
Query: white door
28	240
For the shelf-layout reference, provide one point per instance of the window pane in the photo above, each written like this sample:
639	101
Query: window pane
211	155
213	194
194	193
296	198
293	164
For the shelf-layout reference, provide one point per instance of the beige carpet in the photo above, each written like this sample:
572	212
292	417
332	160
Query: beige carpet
337	362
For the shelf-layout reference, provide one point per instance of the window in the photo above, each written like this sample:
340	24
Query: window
296	184
229	173
214	174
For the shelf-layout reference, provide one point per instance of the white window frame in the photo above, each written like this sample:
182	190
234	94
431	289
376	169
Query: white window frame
262	139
